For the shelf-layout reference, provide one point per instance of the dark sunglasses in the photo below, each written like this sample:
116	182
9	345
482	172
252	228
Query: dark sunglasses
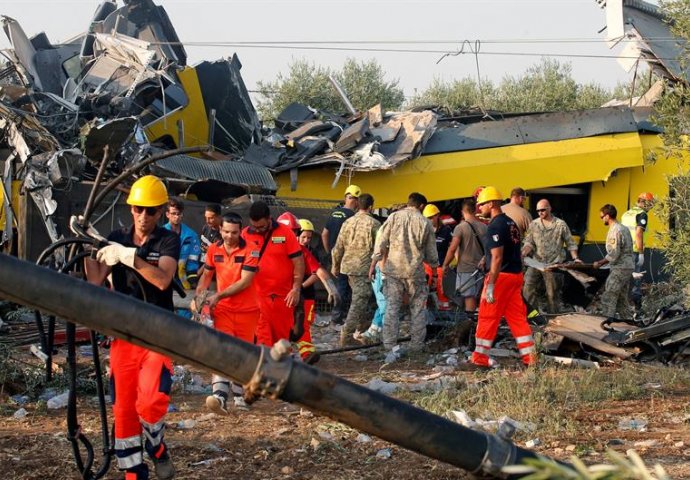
539	210
150	211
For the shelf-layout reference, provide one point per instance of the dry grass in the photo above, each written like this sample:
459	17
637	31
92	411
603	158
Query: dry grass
548	397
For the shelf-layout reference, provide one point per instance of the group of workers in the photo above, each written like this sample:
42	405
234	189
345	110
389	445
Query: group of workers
265	273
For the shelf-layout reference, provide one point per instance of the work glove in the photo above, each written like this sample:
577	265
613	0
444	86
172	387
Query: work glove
334	297
640	260
75	225
116	253
489	295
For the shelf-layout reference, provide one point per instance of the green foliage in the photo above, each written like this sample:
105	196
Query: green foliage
364	82
672	113
622	468
545	86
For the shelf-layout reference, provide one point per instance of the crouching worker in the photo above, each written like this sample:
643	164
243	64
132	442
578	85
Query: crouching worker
143	260
235	306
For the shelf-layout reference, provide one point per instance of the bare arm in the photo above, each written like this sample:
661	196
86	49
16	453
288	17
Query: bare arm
311	280
159	276
324	240
204	281
292	297
452	248
496	262
639	239
245	280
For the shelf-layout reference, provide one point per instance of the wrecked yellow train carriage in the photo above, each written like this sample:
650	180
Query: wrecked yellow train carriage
577	174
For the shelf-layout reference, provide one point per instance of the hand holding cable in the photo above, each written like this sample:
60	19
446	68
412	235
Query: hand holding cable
115	253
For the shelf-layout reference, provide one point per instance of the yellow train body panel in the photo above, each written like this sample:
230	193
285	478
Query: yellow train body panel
613	165
457	174
16	185
193	116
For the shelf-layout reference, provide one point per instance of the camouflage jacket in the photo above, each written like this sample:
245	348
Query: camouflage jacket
352	251
547	242
619	247
408	239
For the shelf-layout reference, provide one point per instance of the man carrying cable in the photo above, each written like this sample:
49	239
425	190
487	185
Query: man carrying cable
142	259
502	295
235	306
467	243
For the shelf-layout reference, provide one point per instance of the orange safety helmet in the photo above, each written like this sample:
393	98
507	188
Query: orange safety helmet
646	196
289	220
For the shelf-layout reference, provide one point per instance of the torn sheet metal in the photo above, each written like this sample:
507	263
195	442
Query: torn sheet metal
300	140
252	178
532	128
236	123
646	29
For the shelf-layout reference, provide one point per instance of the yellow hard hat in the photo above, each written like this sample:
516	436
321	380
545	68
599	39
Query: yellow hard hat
488	194
353	190
430	210
305	225
148	191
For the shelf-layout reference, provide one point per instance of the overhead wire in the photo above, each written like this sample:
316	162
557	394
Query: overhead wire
322	47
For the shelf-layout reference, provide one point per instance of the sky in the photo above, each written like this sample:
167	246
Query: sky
535	27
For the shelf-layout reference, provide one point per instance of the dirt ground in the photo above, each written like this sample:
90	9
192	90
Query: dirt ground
276	440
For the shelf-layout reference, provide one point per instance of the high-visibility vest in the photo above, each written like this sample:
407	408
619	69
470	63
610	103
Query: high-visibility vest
629	220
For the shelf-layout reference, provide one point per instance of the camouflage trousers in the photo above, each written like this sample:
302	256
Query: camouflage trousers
542	290
417	292
359	315
616	291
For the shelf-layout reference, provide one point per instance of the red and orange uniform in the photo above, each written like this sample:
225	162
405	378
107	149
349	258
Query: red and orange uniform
275	251
236	315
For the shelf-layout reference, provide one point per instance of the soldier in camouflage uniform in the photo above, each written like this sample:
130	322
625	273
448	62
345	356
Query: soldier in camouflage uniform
619	255
545	239
352	256
408	240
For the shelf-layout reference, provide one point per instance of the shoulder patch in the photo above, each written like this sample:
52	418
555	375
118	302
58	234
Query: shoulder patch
254	254
643	221
278	239
495	237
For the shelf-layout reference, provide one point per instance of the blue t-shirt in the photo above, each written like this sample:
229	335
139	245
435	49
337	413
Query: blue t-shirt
504	232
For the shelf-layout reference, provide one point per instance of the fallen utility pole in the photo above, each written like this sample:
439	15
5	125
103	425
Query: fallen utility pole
264	372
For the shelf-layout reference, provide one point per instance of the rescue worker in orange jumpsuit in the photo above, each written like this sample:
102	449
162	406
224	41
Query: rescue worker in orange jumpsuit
281	271
140	257
313	272
235	305
502	295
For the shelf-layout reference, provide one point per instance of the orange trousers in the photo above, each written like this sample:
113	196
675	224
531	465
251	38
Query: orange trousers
275	321
140	386
508	304
241	325
304	344
443	301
